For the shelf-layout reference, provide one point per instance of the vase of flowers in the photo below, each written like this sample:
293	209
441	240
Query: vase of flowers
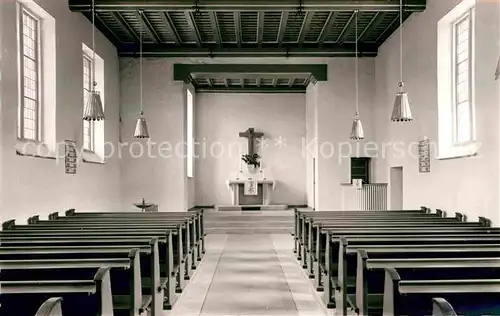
252	162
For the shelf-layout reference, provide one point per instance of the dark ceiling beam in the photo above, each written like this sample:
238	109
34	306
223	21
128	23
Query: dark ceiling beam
251	89
168	50
215	27
260	28
275	81
307	81
171	27
319	71
247	5
226	83
305	26
192	25
327	27
242	82
259	80
391	28
291	82
282	27
348	28
125	26
237	26
147	25
374	23
105	29
209	82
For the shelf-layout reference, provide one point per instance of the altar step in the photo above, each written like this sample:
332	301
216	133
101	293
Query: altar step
249	222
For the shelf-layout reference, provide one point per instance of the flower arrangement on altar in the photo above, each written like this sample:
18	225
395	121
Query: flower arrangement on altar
251	159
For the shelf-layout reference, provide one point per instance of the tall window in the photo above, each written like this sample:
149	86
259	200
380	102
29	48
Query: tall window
462	80
189	134
30	105
88	127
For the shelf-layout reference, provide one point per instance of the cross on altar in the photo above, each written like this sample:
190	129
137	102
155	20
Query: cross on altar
251	135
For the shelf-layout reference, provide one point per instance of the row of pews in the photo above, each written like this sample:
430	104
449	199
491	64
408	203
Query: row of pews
98	264
401	262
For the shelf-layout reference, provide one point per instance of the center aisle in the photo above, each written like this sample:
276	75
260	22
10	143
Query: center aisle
250	275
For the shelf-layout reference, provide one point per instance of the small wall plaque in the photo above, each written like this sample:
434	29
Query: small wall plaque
70	157
424	157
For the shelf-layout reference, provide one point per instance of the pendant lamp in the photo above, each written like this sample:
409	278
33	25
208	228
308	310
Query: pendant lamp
357	127
141	127
93	109
401	111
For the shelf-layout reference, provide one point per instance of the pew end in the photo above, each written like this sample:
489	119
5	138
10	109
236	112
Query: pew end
33	219
70	212
53	216
461	217
486	222
440	213
10	224
441	307
51	307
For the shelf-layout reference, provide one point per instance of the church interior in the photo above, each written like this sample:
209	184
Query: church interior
249	157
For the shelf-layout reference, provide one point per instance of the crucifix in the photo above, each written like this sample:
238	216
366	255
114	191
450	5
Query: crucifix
251	135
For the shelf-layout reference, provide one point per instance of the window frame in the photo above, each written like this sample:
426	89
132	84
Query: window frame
190	133
39	65
470	80
91	124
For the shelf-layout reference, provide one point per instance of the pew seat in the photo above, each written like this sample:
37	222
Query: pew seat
85	297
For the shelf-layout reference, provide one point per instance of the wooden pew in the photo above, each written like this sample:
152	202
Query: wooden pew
441	307
90	296
160	282
413	297
185	235
335	258
125	276
302	216
51	307
134	227
306	220
316	243
196	215
370	278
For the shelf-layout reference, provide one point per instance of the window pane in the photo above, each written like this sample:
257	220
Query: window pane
462	81
88	138
30	77
463	122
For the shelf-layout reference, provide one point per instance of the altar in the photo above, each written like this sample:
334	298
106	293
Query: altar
262	196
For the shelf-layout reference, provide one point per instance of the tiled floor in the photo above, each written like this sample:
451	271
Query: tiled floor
249	275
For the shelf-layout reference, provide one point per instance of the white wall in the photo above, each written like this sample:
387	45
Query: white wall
32	186
154	169
331	110
220	117
467	185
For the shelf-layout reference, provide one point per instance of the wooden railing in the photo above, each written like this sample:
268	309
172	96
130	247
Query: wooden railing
371	197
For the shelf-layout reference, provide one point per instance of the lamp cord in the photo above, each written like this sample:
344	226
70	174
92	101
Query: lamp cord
401	84
140	57
94	82
356	66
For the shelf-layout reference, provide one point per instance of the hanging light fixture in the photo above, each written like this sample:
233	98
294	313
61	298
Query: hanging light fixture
93	109
141	127
357	127
401	111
